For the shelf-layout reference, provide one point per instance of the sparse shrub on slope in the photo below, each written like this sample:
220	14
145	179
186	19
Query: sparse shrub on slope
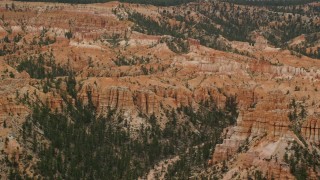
153	2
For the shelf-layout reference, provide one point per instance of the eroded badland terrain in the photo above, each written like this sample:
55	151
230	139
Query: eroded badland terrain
125	91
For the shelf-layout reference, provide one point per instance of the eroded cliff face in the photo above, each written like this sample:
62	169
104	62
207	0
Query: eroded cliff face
261	137
147	100
113	97
264	84
311	130
266	120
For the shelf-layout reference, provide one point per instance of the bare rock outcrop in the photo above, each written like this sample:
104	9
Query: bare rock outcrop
268	118
114	97
181	96
311	130
147	102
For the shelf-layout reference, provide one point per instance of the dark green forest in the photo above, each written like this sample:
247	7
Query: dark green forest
301	160
236	24
78	142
